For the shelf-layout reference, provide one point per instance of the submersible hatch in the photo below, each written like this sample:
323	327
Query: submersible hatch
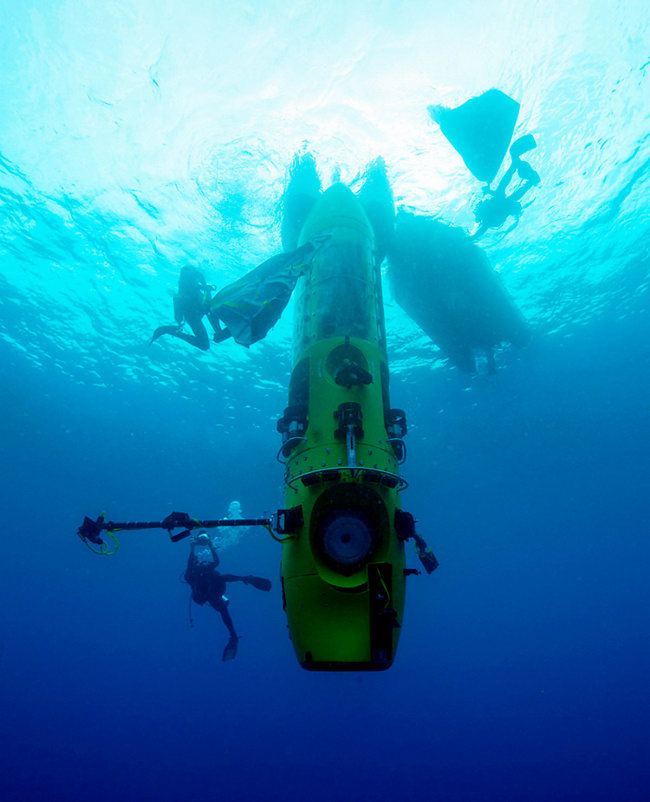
343	571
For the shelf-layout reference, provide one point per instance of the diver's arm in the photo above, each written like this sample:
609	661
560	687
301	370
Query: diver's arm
192	564
192	559
514	225
215	557
519	193
219	334
507	177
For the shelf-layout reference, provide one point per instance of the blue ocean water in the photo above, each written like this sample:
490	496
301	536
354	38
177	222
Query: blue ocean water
137	136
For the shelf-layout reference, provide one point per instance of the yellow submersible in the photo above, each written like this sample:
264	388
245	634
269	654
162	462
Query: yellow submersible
343	567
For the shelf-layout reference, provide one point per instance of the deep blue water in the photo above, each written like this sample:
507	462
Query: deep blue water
138	136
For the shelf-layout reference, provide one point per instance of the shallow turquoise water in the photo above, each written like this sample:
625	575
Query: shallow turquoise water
135	138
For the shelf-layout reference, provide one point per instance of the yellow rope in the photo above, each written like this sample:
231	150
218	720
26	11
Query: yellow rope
103	551
279	539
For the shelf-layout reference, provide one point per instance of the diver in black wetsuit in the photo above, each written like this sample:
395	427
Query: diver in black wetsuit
497	207
191	304
480	130
208	585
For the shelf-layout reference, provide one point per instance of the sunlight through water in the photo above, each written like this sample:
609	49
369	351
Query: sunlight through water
136	137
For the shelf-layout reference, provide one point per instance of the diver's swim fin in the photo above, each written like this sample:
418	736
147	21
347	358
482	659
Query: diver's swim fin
480	131
259	582
522	145
230	652
526	173
163	330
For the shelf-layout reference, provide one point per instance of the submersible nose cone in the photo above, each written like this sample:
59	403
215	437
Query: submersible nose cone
338	207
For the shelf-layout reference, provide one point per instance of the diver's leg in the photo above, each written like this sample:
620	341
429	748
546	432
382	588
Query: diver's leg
219	334
193	339
231	647
258	582
507	177
230	652
200	337
220	606
227	620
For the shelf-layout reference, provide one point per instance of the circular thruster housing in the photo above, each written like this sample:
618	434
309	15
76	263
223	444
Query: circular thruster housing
347	537
348	526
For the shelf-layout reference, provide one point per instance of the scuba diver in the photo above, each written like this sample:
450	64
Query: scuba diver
191	304
497	207
208	585
480	131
